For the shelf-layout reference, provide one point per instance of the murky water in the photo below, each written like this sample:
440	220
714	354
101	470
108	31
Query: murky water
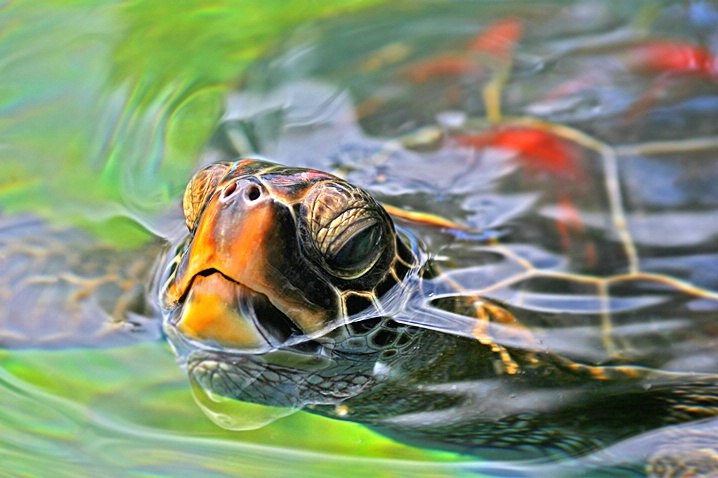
105	111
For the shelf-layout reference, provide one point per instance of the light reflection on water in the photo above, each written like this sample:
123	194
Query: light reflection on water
104	112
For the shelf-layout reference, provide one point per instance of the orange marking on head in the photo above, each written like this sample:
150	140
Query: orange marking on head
236	247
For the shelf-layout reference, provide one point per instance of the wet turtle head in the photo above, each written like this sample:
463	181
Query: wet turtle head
276	254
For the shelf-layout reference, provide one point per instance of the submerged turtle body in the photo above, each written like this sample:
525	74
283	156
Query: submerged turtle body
295	289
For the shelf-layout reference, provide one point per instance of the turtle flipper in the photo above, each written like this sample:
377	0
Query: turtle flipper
61	288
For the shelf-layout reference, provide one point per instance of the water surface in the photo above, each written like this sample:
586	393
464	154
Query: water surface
106	109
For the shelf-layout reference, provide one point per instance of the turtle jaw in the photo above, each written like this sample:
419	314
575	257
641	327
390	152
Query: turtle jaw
221	320
217	312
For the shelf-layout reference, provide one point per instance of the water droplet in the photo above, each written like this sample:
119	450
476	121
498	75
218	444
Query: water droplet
342	410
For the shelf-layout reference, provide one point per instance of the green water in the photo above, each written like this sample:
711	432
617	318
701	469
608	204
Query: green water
106	102
104	107
129	412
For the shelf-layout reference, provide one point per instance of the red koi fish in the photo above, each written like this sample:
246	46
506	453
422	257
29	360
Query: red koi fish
663	61
666	59
499	39
537	150
540	152
495	44
666	56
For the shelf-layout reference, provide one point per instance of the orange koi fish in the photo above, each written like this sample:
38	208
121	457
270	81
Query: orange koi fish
537	150
495	44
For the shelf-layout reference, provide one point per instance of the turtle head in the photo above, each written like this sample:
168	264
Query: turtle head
276	254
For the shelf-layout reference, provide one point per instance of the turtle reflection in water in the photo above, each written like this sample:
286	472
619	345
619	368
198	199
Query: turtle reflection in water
295	289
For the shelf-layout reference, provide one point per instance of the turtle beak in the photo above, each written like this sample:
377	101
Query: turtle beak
219	272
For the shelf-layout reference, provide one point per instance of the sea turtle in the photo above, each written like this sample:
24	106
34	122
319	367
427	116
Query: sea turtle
515	289
295	289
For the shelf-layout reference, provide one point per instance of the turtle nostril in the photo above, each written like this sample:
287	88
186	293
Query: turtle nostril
229	190
253	193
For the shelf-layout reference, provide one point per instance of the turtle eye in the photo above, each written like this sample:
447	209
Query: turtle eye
358	253
344	229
